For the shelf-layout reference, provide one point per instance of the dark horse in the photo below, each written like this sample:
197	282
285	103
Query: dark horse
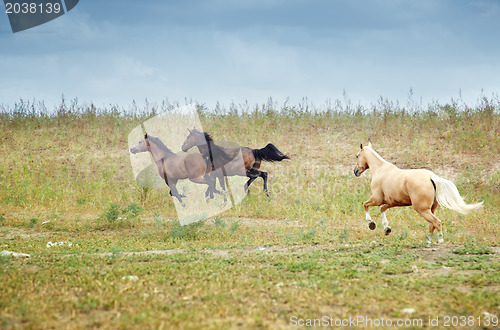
173	167
245	161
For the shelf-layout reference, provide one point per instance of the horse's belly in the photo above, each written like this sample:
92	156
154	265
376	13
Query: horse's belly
177	170
235	167
397	201
395	193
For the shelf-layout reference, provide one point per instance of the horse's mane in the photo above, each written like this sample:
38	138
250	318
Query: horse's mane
216	154
376	154
162	146
208	137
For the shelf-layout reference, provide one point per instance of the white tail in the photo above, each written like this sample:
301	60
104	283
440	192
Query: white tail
448	196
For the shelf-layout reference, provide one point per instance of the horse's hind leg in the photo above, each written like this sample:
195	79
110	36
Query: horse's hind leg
208	180
434	224
252	175
263	175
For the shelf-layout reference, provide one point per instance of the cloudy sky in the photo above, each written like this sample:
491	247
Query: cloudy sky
114	52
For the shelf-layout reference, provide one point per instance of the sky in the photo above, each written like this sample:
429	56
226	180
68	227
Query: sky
115	52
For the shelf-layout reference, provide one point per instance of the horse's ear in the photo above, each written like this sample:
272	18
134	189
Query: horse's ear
361	146
369	144
189	130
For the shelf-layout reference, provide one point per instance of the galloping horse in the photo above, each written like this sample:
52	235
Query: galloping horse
173	167
246	163
424	190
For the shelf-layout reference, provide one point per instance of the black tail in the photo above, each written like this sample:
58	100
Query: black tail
269	153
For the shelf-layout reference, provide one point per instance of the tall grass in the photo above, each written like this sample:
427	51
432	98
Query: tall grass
73	162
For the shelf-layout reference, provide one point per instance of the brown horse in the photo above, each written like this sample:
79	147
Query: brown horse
424	190
244	161
173	167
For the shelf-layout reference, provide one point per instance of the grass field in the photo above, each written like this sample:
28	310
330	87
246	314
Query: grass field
121	260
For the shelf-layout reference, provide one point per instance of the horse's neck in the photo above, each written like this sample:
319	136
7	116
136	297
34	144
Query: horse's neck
203	148
376	162
157	153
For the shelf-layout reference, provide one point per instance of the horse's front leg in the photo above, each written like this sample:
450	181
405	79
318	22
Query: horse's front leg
211	187
222	181
385	222
175	193
372	201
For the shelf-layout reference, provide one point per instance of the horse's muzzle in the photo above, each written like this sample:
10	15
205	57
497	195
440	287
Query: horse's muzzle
357	172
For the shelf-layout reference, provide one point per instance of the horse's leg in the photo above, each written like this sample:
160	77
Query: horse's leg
256	170
174	192
222	181
252	175
434	207
263	175
370	202
208	180
434	224
433	210
385	222
211	188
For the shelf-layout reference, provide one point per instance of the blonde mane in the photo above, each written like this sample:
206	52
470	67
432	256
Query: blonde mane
376	154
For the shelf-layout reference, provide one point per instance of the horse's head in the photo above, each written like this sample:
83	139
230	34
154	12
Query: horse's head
142	145
195	138
361	160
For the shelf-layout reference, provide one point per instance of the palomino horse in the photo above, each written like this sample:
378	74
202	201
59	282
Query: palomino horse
173	167
244	163
424	190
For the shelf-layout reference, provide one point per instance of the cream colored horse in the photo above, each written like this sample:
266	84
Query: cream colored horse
424	190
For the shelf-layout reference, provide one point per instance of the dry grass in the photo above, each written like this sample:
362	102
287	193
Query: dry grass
67	178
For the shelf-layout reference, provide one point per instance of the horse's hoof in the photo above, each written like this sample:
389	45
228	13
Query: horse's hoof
372	225
387	230
440	238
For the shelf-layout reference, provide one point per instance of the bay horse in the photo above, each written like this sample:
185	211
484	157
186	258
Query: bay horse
245	161
420	188
173	167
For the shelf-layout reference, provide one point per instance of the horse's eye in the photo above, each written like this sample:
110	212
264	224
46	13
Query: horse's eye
356	156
